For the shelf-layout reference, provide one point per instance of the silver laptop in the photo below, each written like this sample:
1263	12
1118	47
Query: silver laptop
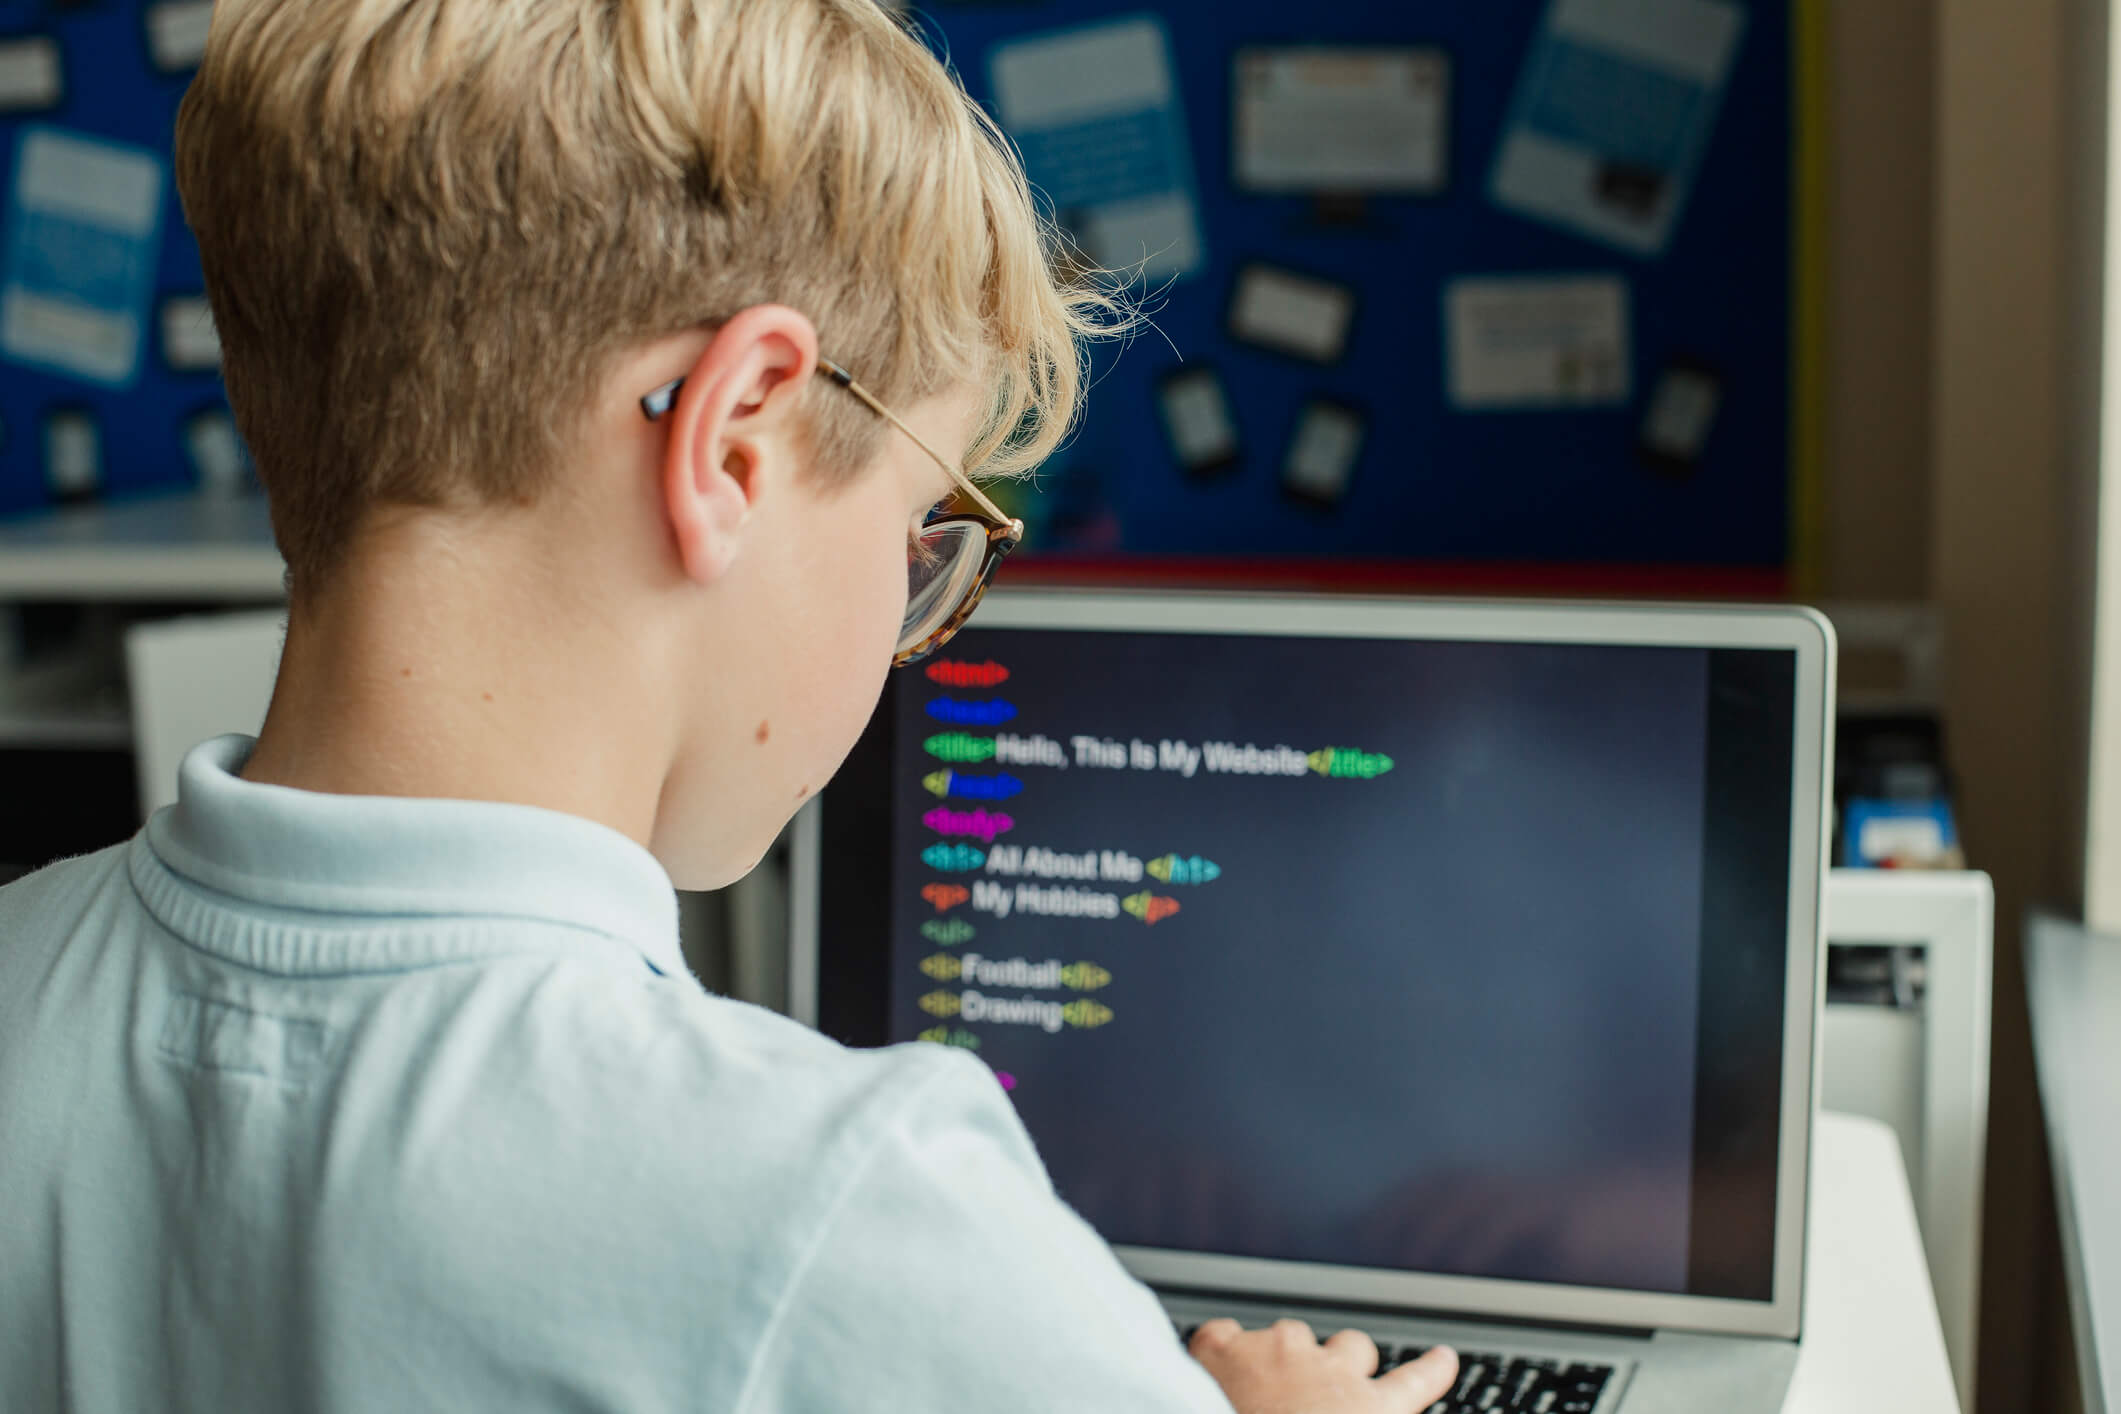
1444	970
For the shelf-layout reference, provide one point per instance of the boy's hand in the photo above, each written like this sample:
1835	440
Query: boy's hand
1285	1369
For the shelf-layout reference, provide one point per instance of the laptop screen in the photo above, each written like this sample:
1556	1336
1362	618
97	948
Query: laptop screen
1454	957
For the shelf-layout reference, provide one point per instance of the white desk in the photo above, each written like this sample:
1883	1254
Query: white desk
1924	1070
2073	982
1872	1341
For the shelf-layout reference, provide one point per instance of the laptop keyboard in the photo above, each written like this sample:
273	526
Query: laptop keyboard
1490	1383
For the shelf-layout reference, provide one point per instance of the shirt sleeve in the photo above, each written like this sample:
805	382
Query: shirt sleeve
950	1276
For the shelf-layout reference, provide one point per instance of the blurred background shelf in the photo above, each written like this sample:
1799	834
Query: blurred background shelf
190	546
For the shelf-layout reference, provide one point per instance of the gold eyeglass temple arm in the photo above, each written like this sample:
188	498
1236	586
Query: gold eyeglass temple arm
846	380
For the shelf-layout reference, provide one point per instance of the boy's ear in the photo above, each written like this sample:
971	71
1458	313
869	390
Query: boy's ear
730	433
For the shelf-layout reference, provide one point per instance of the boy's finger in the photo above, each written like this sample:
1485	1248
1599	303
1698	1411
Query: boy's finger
1420	1383
1355	1350
1290	1331
1214	1335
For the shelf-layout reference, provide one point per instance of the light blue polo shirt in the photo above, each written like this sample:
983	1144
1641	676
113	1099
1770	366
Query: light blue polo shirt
315	1102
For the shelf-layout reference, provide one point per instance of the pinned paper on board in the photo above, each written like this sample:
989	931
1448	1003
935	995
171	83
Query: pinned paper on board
30	77
1528	342
1681	414
1612	112
1322	453
190	343
73	454
1344	120
219	461
176	33
1197	419
1300	315
84	230
1096	114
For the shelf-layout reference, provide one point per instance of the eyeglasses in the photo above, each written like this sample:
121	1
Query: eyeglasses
949	562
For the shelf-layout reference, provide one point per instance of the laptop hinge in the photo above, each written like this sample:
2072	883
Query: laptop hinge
1409	1313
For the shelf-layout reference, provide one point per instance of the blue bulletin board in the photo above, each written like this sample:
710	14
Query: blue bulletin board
1708	311
143	426
1325	329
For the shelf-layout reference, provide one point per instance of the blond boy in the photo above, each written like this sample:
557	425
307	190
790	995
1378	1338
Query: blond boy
591	352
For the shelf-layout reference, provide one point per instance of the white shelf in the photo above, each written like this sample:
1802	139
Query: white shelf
189	546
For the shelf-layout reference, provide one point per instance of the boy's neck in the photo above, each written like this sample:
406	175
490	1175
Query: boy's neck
443	665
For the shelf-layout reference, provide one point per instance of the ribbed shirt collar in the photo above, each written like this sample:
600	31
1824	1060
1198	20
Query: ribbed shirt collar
297	880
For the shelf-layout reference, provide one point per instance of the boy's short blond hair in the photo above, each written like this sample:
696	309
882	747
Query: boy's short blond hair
428	226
